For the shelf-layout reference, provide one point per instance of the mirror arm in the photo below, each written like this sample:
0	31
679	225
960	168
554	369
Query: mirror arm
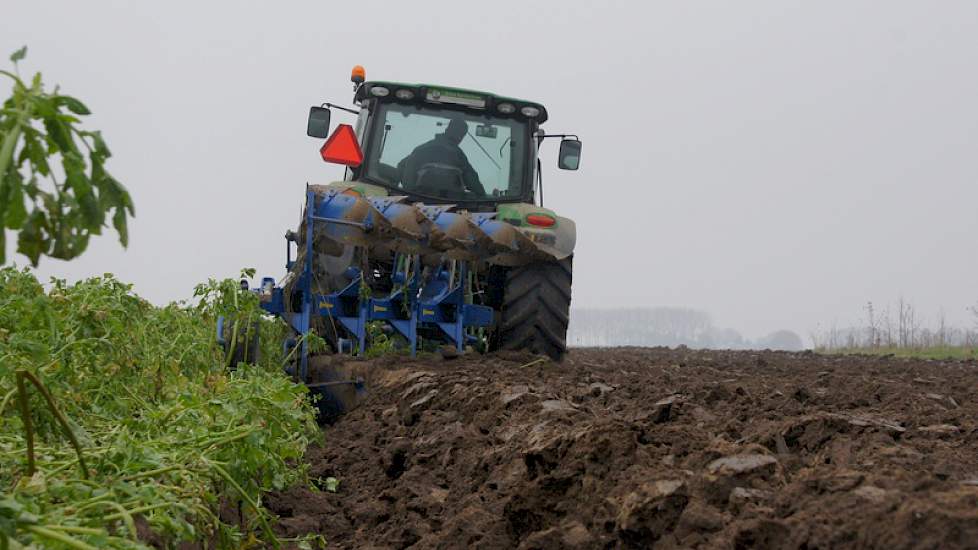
540	180
560	136
332	106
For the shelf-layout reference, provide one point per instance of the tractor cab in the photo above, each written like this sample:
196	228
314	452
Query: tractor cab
441	145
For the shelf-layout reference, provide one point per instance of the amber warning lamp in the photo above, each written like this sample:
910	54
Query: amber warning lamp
358	75
342	147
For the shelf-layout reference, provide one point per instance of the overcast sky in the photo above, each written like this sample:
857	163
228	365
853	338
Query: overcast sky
775	163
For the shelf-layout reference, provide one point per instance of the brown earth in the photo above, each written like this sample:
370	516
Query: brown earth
623	448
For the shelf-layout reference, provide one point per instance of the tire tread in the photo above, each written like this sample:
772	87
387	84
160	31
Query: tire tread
536	307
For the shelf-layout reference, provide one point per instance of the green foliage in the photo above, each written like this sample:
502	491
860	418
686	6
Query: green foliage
331	484
166	431
54	209
379	343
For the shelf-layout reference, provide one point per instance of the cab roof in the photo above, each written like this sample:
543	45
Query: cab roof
421	92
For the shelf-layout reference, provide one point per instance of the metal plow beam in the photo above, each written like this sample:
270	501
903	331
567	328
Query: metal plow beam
432	231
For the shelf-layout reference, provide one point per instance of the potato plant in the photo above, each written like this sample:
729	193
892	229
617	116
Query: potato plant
55	192
171	445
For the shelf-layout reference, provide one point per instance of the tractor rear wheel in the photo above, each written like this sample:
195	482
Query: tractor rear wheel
535	308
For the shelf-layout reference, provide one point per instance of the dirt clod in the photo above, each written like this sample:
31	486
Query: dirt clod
741	464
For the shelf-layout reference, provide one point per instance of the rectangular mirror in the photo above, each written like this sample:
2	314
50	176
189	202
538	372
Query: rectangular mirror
569	157
318	126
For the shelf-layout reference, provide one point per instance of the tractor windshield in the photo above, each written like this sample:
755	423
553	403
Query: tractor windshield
447	154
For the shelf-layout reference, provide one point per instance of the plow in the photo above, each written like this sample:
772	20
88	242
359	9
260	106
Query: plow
435	238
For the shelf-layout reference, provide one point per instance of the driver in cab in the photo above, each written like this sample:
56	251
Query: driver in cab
439	167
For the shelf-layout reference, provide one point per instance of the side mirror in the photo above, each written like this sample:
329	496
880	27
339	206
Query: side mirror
569	157
318	126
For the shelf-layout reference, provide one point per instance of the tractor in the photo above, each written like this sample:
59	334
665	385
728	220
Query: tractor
436	238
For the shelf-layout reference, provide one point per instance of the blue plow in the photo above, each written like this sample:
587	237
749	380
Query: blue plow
430	285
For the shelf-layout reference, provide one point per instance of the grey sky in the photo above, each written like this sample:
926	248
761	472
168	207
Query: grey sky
776	163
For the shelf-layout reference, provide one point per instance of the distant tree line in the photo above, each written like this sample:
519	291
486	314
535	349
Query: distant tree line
898	326
665	326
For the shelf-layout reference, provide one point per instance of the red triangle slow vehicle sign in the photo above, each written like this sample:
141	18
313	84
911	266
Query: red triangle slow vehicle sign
342	147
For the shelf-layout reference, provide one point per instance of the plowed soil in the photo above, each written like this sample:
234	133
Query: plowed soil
622	448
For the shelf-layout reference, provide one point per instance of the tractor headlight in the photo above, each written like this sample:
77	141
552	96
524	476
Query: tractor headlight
404	94
379	91
530	111
506	108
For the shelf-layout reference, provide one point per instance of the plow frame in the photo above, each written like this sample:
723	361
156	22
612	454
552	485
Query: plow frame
435	303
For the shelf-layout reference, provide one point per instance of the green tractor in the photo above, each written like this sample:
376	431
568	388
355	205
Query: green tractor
437	233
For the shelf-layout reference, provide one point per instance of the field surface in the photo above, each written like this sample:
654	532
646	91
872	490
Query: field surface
620	448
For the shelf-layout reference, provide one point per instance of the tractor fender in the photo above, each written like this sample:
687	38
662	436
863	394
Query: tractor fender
554	243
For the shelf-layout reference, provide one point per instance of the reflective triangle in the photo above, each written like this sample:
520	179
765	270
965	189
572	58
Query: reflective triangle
342	147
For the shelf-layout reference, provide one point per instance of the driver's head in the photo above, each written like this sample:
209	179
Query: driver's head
456	130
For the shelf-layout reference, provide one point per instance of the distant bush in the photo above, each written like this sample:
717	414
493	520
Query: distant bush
900	329
664	326
781	340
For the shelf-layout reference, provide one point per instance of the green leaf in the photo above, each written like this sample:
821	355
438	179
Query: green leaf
72	104
31	189
76	179
108	193
77	243
61	238
16	213
98	171
92	214
36	153
44	107
113	192
68	120
100	147
74	166
59	134
11	182
19	54
119	222
32	240
331	484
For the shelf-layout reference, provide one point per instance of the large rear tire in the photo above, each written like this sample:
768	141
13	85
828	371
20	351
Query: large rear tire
535	308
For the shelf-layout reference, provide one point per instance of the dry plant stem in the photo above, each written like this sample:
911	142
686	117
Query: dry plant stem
254	505
248	334
21	374
234	344
25	414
